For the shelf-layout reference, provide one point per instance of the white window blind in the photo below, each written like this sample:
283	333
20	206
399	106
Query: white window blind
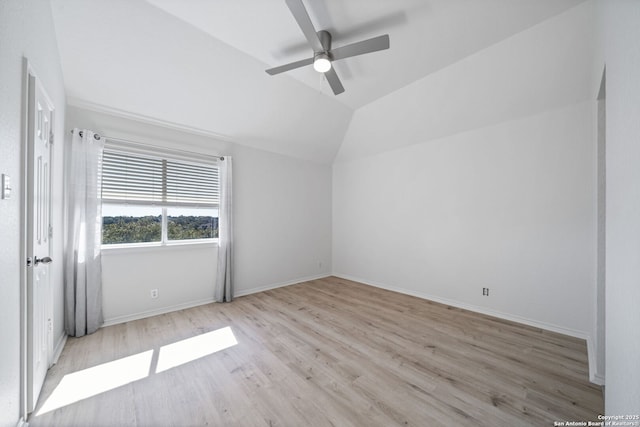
146	180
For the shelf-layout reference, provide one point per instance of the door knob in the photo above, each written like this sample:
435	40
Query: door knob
45	260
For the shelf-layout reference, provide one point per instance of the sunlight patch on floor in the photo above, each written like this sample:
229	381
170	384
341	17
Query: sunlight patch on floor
98	379
110	375
190	349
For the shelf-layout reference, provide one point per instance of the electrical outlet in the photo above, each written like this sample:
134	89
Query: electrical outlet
154	293
485	292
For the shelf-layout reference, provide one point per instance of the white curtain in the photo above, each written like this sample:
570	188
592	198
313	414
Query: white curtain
223	291
83	270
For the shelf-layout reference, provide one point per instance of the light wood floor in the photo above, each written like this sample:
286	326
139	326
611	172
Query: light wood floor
330	352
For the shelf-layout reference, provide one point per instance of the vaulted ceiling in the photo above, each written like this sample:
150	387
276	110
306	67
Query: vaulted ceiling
199	64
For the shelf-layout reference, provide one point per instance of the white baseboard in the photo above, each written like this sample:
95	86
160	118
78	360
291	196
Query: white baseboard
594	377
597	379
154	312
470	307
163	310
57	351
280	285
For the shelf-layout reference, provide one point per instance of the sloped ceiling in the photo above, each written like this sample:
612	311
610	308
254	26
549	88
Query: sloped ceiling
544	68
200	63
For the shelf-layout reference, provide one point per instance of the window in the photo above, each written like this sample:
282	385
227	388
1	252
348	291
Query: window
131	224
156	200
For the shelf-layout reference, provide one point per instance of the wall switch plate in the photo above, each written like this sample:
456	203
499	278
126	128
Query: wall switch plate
6	186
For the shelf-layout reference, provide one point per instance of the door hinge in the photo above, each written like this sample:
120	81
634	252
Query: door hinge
50	231
51	137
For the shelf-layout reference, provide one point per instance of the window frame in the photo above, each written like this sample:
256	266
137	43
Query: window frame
160	153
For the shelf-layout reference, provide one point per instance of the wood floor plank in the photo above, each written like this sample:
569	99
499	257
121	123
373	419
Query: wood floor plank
328	352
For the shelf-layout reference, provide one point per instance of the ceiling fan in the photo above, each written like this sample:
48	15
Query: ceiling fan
323	54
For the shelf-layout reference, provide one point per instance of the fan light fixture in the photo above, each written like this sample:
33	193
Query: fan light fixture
321	63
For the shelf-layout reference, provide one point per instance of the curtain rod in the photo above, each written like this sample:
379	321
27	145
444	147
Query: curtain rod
98	137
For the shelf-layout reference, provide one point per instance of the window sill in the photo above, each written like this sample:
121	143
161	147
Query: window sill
151	247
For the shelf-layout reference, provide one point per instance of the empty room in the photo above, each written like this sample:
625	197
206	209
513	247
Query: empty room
319	213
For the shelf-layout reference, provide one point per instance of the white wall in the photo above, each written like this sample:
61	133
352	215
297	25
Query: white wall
282	224
183	275
482	174
621	32
510	207
26	29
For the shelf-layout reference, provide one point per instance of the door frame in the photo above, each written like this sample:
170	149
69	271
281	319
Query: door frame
601	232
25	312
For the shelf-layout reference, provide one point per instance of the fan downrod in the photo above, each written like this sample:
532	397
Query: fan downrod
325	40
